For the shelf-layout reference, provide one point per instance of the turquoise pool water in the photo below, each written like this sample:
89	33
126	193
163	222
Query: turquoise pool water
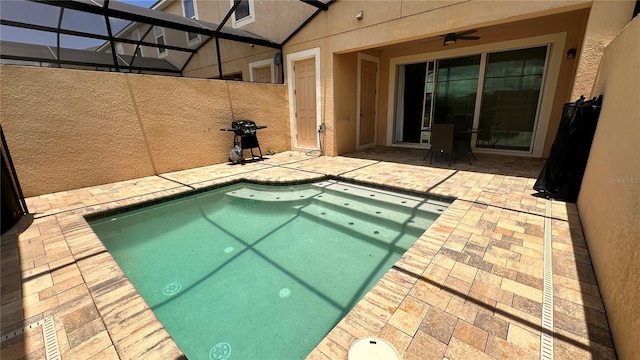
262	272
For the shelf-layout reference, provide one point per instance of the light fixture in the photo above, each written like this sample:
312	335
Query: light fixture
359	15
571	53
449	39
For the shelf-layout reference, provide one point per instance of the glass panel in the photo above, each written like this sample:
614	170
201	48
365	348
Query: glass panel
189	11
192	37
414	84
456	89
159	33
242	11
428	102
512	84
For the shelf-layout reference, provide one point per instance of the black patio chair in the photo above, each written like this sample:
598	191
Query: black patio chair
441	141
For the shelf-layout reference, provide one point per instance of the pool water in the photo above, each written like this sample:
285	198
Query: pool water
262	272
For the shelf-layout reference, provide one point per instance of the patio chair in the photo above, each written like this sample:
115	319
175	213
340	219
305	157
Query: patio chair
441	141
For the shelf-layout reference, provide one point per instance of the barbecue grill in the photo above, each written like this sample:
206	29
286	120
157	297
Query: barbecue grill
245	137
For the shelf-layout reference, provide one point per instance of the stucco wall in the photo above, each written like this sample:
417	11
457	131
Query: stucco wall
391	22
570	23
606	19
69	129
609	201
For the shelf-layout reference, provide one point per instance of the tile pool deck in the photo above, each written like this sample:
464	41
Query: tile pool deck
471	287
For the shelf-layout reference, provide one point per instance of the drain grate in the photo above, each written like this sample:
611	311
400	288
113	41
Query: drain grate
546	337
52	351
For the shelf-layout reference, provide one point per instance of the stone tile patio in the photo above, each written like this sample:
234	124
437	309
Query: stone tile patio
471	287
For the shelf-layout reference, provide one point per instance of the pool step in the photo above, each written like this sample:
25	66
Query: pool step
365	195
388	198
274	194
374	211
361	228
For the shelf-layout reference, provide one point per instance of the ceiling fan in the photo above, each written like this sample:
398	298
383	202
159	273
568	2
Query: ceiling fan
451	38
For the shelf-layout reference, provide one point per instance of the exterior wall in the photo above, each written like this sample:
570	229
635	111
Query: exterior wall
345	78
69	129
388	22
606	20
609	201
392	22
274	20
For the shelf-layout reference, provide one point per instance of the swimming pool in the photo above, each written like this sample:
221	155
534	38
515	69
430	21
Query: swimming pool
254	271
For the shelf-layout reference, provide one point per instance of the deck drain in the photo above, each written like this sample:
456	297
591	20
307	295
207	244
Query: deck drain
284	293
376	232
228	249
51	349
350	223
172	289
220	351
546	337
377	212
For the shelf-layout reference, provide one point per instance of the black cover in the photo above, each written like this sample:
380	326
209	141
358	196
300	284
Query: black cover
562	174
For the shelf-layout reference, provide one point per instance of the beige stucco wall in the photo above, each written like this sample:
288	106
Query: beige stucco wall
391	22
606	19
345	85
69	129
609	200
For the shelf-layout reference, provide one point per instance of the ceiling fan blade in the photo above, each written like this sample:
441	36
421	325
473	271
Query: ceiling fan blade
469	37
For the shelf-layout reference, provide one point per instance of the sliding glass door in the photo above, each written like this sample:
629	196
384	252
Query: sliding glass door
446	91
510	98
440	92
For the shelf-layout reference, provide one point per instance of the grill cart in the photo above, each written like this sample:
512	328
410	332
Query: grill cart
244	138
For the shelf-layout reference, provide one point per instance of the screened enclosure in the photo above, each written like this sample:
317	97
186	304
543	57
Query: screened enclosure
221	39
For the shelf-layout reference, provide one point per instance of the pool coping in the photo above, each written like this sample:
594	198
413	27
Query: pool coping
97	289
101	214
94	261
